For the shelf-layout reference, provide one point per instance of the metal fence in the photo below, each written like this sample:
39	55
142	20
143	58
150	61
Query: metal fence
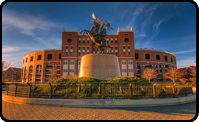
98	90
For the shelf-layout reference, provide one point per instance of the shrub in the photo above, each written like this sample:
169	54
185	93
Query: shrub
75	79
128	79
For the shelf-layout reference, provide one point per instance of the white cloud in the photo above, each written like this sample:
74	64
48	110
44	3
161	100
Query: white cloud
26	24
5	55
185	51
6	49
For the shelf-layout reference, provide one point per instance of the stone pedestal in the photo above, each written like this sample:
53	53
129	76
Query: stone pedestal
100	66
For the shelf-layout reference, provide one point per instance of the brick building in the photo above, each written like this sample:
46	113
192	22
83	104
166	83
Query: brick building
67	60
12	73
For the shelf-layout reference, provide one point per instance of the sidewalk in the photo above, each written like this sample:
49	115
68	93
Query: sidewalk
13	111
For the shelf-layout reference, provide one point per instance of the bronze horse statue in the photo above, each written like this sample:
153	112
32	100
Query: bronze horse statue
96	37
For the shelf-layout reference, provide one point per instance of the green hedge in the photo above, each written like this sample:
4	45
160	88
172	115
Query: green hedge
127	79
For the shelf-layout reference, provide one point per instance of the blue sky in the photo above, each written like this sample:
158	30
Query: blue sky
31	26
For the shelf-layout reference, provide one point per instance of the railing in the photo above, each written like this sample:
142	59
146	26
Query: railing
98	90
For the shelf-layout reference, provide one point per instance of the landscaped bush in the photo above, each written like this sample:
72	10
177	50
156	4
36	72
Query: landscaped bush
127	79
75	79
89	87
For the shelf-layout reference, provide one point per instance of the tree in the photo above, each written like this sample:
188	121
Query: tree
192	80
6	65
193	72
149	73
173	74
183	79
53	73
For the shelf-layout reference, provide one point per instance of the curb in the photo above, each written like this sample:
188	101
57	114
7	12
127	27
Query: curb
100	103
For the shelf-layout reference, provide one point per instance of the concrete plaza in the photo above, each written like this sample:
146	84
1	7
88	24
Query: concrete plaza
15	111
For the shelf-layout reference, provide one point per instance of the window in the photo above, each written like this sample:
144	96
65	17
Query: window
79	48
93	49
116	48
147	56
71	53
49	56
129	53
111	48
72	63
79	42
31	58
111	41
123	46
60	56
83	42
71	70
130	62
83	48
87	52
124	53
39	57
83	53
71	47
65	70
165	58
128	47
26	59
66	53
79	63
126	40
107	42
136	56
115	41
69	40
93	43
171	59
157	57
65	62
87	48
130	70
115	53
67	47
87	41
123	70
79	53
124	62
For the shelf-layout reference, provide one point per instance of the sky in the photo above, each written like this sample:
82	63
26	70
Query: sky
164	26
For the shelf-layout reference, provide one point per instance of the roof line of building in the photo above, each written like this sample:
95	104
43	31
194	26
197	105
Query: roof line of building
155	50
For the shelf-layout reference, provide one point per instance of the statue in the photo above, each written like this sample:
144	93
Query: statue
96	36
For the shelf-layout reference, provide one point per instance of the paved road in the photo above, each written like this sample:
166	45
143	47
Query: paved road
14	111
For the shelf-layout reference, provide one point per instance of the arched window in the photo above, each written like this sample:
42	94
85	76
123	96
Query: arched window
25	74
38	73
159	68
124	68
166	67
123	62
148	66
30	73
65	63
130	63
72	68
